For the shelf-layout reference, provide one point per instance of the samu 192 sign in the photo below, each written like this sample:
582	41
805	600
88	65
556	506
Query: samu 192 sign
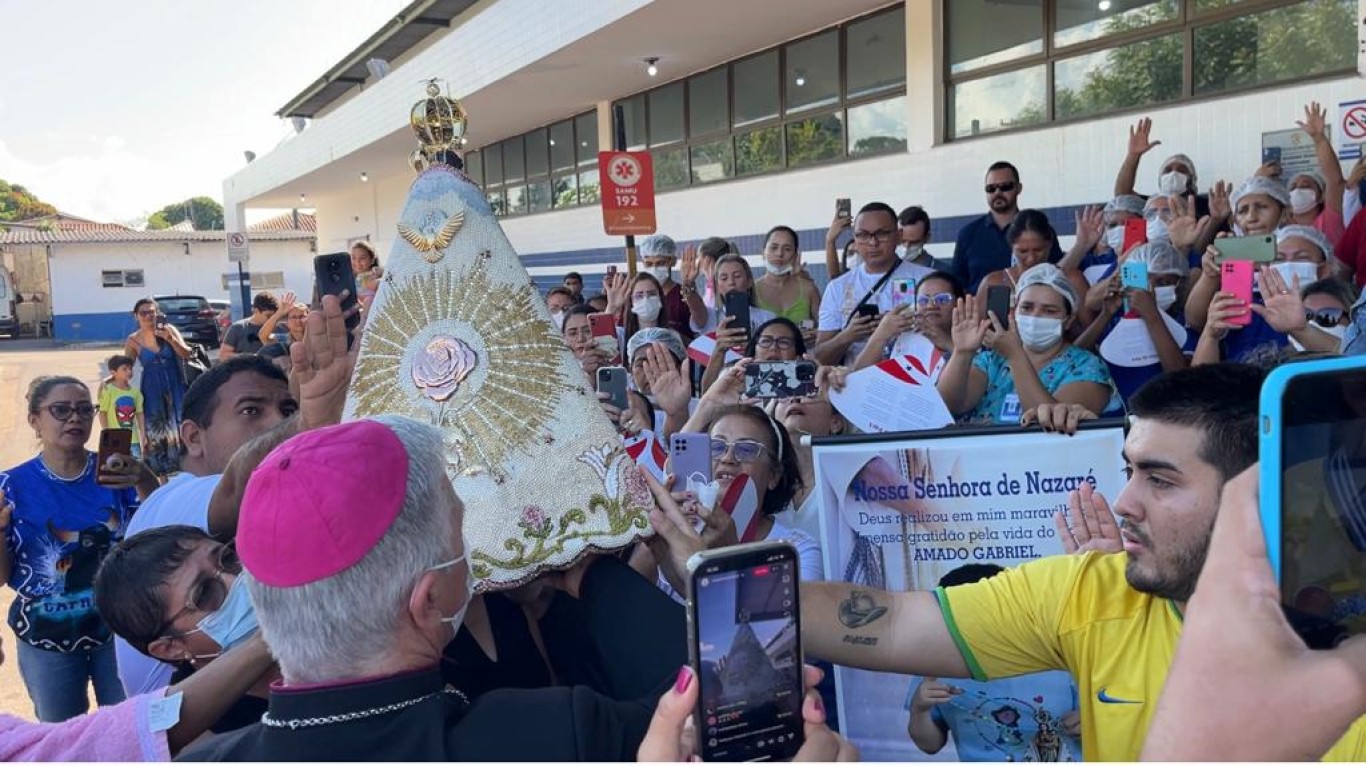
628	193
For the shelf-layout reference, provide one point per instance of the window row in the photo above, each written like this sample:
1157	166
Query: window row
1121	54
550	167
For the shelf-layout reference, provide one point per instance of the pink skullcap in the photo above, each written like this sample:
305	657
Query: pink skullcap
321	501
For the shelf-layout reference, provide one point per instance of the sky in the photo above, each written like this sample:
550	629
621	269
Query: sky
112	110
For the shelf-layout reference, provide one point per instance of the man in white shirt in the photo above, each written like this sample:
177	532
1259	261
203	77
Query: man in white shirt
228	406
842	333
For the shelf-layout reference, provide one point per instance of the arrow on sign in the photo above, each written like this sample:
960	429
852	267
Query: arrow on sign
628	218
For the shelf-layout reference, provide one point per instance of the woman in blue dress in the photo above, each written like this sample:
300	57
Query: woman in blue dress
159	347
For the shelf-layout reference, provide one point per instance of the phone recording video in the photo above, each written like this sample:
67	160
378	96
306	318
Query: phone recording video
1314	448
747	652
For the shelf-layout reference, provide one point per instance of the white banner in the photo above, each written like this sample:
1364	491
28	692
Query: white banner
901	513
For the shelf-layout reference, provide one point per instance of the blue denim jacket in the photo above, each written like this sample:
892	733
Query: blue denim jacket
1354	341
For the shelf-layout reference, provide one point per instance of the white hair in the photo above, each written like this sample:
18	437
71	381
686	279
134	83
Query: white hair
329	629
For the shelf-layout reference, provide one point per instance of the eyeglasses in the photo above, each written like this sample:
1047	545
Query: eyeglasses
1008	186
769	341
941	300
209	591
147	313
745	450
881	235
63	410
1326	317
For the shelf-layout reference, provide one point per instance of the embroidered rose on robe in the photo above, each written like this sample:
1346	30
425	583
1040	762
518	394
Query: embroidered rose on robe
535	521
440	368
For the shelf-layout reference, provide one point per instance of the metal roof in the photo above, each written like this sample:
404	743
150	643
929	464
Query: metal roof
411	26
25	236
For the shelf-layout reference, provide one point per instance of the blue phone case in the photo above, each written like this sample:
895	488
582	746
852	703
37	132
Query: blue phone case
1269	446
1134	274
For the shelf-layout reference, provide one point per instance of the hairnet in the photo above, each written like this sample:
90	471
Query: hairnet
1306	232
1184	160
1161	258
649	335
1125	203
658	246
1050	276
1262	185
1314	176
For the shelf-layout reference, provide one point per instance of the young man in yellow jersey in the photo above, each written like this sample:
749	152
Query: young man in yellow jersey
1111	620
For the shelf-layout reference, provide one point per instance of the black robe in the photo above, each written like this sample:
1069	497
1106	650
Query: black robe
555	724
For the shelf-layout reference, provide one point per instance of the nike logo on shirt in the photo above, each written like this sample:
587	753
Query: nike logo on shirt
1107	699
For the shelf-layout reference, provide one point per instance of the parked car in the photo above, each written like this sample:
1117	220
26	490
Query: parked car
193	316
224	309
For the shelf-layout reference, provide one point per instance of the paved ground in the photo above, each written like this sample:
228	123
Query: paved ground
20	362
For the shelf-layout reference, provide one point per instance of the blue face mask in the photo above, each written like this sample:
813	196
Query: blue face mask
233	623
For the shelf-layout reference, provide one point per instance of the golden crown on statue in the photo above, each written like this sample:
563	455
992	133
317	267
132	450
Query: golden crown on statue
439	122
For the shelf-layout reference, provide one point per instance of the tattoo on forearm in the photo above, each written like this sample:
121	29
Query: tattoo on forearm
860	610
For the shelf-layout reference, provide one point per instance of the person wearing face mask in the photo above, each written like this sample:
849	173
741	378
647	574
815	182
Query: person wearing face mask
388	596
1027	364
1175	176
175	594
1141	333
644	307
914	223
1327	307
1316	198
1259	206
559	300
781	291
1303	256
659	254
1097	248
931	316
982	246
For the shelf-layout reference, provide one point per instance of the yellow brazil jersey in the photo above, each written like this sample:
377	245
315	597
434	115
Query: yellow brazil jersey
1078	613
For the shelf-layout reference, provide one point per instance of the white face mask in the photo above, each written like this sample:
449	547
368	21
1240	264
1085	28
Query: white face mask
558	318
660	273
1307	272
1157	230
458	618
1338	332
1114	237
1303	200
780	271
647	308
1173	182
1165	295
909	252
1039	333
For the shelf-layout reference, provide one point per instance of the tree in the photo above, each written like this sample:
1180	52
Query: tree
203	212
19	204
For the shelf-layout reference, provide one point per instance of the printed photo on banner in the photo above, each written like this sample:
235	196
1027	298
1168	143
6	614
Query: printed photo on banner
903	513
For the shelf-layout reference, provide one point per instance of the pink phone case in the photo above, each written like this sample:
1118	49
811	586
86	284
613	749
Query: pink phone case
1236	278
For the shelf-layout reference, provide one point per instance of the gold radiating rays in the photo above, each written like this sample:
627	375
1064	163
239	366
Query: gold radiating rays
510	399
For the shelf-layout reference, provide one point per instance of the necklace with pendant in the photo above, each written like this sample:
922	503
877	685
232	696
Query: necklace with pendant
308	723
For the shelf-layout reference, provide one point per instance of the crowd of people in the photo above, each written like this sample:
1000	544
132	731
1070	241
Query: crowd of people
295	587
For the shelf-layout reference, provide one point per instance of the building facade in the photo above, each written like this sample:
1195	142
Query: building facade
764	112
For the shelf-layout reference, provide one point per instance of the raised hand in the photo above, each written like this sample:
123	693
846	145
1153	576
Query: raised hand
1087	524
287	300
1315	121
1090	227
894	323
1220	206
969	326
321	366
688	268
1270	169
1283	307
1184	229
671	386
839	224
1138	137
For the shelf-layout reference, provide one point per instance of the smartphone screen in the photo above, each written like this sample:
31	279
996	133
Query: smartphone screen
1322	503
114	441
780	380
998	303
746	649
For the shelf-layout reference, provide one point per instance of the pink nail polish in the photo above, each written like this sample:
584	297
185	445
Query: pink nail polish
684	680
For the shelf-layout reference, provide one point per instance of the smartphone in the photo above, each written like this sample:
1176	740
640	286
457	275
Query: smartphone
114	441
1271	154
744	626
736	306
903	293
1236	278
1259	248
333	276
867	310
1312	417
611	272
1135	234
780	380
842	207
162	322
689	458
998	303
612	380
604	329
1134	274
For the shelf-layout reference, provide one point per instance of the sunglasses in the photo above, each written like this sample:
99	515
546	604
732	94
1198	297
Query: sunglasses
1008	186
1328	317
768	341
942	300
63	410
147	313
745	450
